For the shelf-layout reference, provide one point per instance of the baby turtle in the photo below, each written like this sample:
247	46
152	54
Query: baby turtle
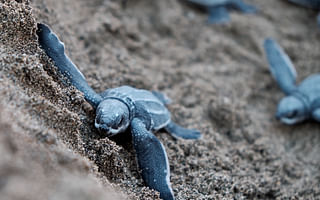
125	107
302	101
218	9
313	4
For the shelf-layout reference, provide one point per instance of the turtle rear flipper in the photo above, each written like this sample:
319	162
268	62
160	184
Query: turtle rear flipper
281	66
162	97
54	48
179	132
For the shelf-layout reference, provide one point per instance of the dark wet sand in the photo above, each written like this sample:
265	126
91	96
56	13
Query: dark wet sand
217	77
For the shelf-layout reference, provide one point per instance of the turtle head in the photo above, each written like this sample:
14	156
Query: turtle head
112	117
291	110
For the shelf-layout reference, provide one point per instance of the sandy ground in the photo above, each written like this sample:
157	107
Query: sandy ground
217	77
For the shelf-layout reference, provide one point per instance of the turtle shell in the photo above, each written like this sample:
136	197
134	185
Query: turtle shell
142	104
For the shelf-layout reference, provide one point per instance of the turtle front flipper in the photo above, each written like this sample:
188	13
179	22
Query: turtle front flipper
152	159
218	15
179	132
281	66
54	48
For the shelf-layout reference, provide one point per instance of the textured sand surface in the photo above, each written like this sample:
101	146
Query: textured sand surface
217	77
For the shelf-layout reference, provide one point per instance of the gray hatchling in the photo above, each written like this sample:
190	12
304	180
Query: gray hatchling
302	101
125	107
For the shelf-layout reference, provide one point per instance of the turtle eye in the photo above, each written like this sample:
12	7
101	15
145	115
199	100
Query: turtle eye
292	114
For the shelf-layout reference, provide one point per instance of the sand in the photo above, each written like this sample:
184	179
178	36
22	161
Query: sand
217	77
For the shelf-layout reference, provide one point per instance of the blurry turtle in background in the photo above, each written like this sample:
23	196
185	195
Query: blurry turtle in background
313	4
302	101
122	108
219	9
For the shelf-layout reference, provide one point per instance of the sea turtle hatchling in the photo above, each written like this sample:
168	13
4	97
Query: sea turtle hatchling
313	4
302	101
218	9
125	107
